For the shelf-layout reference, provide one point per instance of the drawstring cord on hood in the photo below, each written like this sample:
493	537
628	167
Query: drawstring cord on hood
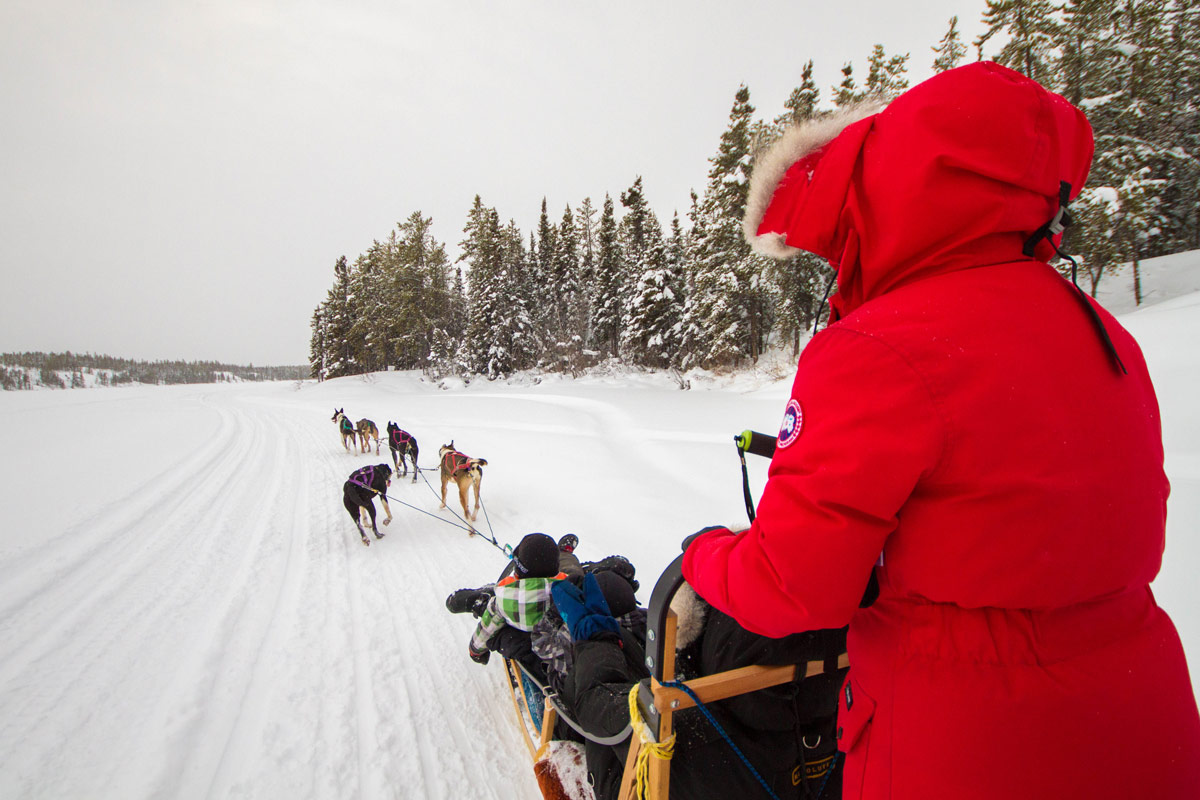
1057	224
821	305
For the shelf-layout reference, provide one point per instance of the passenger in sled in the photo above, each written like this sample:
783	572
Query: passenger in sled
786	734
587	645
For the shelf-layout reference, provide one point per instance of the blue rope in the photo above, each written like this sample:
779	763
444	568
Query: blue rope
708	715
829	773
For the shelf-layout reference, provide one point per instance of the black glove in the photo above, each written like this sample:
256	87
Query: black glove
618	564
481	657
473	600
687	541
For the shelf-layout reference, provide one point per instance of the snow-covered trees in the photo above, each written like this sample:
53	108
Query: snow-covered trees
389	308
1032	35
951	50
606	281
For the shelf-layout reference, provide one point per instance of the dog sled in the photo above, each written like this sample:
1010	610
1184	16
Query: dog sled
655	700
647	770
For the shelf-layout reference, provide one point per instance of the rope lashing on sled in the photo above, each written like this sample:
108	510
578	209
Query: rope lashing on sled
713	720
660	750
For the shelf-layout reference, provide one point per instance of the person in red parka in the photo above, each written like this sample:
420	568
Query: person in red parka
982	438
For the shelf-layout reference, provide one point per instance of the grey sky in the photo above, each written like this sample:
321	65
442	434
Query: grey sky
178	178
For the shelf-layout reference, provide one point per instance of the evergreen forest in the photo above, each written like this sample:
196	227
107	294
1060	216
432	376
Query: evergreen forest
607	279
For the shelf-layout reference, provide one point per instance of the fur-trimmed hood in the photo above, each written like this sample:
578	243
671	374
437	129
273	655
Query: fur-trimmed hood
955	173
773	162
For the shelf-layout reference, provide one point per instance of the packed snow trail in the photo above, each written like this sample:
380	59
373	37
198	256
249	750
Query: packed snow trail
186	610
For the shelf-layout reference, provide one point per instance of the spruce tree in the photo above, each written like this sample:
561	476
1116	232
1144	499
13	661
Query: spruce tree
570	301
318	352
608	304
340	319
728	315
802	102
585	237
650	337
483	252
951	50
1032	32
541	294
885	77
846	93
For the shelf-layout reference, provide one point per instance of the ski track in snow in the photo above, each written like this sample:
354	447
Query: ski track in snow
212	627
221	632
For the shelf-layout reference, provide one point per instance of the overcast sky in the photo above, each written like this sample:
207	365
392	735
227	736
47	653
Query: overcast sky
177	178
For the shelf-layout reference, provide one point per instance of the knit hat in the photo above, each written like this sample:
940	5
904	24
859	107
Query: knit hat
617	593
536	557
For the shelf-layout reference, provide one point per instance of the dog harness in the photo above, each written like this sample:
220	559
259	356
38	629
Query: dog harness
347	426
364	477
456	461
401	437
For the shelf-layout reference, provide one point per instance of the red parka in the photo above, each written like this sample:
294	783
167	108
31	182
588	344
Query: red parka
962	429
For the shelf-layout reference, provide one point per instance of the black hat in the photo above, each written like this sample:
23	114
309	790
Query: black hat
536	557
617	593
568	543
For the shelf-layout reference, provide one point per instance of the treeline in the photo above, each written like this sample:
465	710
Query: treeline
595	284
75	370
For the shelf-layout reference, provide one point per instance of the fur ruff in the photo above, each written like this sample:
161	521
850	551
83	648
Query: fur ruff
773	162
690	611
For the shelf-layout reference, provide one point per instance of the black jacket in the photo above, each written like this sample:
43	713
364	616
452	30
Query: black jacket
782	730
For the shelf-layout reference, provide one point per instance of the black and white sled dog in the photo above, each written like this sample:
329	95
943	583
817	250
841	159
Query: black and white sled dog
403	445
358	496
346	429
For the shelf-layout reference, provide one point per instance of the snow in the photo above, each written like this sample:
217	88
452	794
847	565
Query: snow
186	610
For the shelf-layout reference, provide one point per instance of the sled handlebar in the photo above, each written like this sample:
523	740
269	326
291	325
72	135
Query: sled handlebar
760	444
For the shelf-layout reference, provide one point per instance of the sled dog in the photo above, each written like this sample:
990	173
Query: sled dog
358	496
464	471
367	430
346	428
403	445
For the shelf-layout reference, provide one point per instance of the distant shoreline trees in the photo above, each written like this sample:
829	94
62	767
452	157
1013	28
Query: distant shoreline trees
597	285
63	370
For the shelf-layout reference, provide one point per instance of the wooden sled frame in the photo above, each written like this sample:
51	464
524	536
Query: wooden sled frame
537	744
657	703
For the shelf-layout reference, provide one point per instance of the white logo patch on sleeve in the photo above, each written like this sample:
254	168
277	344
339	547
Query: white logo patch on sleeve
793	421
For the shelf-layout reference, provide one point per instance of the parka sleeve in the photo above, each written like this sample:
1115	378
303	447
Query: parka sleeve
489	623
865	430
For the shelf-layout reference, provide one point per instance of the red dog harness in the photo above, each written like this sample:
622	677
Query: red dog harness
456	461
401	437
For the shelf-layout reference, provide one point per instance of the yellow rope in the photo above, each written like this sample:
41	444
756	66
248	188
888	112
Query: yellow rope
649	747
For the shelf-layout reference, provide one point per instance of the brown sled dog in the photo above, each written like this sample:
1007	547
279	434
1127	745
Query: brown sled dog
367	430
464	471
